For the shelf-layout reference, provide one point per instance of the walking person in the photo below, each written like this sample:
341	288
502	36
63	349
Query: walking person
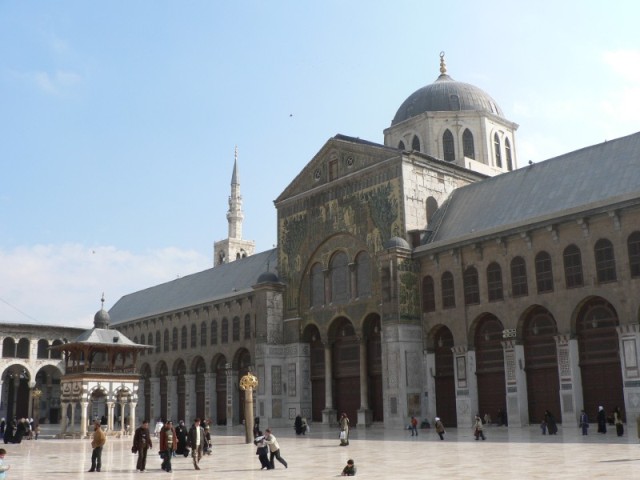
196	442
550	420
97	442
181	433
3	466
584	422
414	426
617	421
477	429
168	444
141	443
602	420
440	428
344	430
262	450
274	448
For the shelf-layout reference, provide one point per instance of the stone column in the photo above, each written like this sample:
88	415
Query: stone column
466	385
189	397
155	399
110	409
209	387
230	397
570	378
63	420
72	417
172	398
32	385
515	380
329	413
629	336
83	418
122	416
364	414
132	416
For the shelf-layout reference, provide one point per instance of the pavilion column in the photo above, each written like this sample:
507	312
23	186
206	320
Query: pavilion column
122	415
63	421
72	417
132	417
110	408
83	418
329	413
364	414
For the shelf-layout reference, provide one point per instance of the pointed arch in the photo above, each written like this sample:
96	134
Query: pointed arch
497	150
415	143
468	146
448	146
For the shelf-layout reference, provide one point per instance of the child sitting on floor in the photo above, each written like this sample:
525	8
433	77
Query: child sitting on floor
349	470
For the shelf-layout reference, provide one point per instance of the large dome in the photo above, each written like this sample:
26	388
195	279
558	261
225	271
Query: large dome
446	95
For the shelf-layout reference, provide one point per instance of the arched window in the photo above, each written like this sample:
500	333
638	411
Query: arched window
8	348
428	295
43	345
247	327
363	275
184	338
166	340
471	286
316	282
519	284
194	336
494	282
203	334
432	207
214	332
498	153
174	339
158	342
339	278
135	339
507	152
633	247
448	147
149	339
605	261
224	335
544	272
467	144
572	267
24	347
415	143
448	290
236	329
401	145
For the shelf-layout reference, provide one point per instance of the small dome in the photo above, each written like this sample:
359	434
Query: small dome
101	319
397	242
446	95
268	277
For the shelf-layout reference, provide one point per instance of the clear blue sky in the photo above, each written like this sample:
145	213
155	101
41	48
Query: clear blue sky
119	119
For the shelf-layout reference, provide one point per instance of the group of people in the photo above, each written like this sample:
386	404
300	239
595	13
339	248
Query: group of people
173	441
437	423
16	430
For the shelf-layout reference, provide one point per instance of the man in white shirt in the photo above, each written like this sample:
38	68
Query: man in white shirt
196	442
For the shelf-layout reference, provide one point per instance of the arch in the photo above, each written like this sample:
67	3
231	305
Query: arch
346	367
428	294
401	145
46	409
432	207
236	329
468	146
214	332
372	330
166	340
539	329
179	371
544	272
56	354
247	327
572	260
184	339
599	353
316	285
605	261
497	150
174	339
508	154
415	143
145	374
448	290
43	349
203	334
149	340
363	275
471	286
311	335
495	290
339	273
448	147
220	370
162	371
490	365
194	336
242	365
633	251
444	377
22	348
224	333
519	282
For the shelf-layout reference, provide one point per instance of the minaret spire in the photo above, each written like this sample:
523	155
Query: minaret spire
235	215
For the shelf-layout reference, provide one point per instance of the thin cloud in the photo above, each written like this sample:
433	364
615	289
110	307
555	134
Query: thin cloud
57	82
62	284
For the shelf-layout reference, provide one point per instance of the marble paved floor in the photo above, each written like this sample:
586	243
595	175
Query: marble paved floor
521	453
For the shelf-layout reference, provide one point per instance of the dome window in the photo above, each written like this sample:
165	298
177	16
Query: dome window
401	145
467	144
498	154
448	147
415	143
507	151
454	101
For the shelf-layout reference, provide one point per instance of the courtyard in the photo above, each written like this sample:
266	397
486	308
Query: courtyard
378	454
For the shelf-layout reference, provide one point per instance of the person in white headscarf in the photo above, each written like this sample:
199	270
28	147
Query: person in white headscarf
602	420
439	428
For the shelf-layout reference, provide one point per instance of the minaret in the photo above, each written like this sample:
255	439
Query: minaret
233	247
235	215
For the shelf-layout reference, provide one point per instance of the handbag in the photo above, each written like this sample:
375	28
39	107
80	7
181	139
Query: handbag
343	435
134	449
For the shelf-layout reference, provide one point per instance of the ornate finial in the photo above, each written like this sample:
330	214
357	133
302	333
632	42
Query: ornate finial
102	301
443	66
249	381
235	155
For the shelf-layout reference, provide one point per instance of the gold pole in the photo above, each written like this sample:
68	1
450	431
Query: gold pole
248	383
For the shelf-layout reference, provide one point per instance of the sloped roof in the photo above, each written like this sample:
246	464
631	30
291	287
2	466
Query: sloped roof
600	175
209	285
105	336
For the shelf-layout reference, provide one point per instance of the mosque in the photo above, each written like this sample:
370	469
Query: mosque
425	276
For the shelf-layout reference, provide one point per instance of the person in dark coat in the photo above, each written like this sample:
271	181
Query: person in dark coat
168	444
550	420
262	450
181	433
617	421
602	420
196	442
297	425
141	443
